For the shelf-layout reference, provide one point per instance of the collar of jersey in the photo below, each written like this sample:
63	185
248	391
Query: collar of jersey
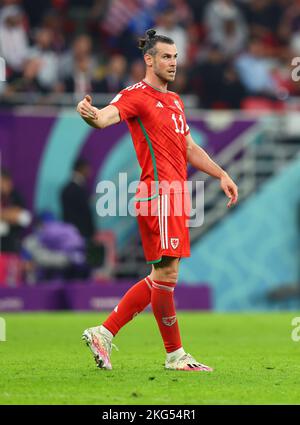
154	88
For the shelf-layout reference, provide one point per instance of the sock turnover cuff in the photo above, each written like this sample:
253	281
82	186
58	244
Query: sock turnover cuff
149	282
167	286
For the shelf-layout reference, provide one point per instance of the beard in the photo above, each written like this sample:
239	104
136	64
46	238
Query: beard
165	76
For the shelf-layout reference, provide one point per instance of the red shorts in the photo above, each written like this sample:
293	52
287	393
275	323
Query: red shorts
163	226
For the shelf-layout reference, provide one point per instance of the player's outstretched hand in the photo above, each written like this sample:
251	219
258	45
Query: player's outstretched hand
86	109
230	189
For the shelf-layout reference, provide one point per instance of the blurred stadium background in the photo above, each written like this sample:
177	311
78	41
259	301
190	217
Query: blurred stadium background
235	76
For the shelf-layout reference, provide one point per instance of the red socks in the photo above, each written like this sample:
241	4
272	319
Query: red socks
134	301
163	307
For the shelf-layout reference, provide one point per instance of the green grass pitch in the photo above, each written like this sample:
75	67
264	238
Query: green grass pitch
44	361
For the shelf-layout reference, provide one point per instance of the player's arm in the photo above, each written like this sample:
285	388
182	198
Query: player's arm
199	159
98	118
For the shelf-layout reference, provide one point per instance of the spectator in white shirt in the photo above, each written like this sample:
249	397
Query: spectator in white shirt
13	38
46	59
167	26
226	27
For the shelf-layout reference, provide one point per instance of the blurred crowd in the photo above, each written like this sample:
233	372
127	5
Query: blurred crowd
43	247
229	50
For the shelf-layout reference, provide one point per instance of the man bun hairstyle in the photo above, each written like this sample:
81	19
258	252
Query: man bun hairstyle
150	33
147	44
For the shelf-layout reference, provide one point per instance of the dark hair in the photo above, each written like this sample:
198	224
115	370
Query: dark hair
5	174
80	164
147	44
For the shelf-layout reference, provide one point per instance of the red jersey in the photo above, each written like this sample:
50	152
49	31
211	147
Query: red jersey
158	128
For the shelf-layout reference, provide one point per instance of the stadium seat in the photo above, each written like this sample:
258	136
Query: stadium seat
261	104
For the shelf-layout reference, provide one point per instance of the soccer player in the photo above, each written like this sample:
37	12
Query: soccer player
163	144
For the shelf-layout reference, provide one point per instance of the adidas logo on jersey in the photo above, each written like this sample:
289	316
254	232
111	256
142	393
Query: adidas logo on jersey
159	105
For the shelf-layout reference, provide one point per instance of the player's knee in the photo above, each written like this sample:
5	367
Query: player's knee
166	271
170	275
